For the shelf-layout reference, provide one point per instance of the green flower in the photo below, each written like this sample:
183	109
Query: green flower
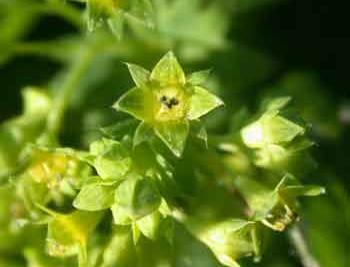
68	234
165	100
271	128
279	143
277	209
231	240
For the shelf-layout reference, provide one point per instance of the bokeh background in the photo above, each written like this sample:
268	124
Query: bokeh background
256	48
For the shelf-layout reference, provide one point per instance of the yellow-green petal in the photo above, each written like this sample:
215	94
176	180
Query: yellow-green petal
202	102
140	75
168	71
174	134
133	102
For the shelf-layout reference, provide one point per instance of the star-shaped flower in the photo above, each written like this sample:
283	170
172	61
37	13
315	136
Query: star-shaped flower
165	100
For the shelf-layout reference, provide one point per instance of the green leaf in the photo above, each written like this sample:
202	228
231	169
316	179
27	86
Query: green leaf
139	196
133	102
280	130
149	225
302	190
100	146
120	129
168	71
202	102
199	131
174	135
110	167
112	159
144	133
191	252
136	233
94	197
140	75
68	234
120	250
142	10
121	216
198	78
116	24
270	129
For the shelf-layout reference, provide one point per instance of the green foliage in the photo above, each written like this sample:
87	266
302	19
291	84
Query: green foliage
164	177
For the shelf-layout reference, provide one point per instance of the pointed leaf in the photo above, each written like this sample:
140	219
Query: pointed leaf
144	133
133	102
303	190
168	71
136	233
200	132
121	216
112	159
94	197
110	167
140	75
139	196
174	135
120	129
202	102
149	225
116	24
280	130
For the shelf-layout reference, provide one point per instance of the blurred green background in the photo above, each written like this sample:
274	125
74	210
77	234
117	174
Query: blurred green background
262	48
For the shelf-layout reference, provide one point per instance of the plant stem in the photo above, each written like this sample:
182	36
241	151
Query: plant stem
297	238
71	82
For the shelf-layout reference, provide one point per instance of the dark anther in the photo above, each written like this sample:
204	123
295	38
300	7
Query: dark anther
164	99
169	102
174	101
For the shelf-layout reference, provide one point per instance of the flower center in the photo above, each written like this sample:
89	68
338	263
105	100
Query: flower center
171	104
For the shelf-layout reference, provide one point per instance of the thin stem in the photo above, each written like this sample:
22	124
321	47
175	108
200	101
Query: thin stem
75	73
298	240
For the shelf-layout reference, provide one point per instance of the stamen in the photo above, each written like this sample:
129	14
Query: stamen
169	103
